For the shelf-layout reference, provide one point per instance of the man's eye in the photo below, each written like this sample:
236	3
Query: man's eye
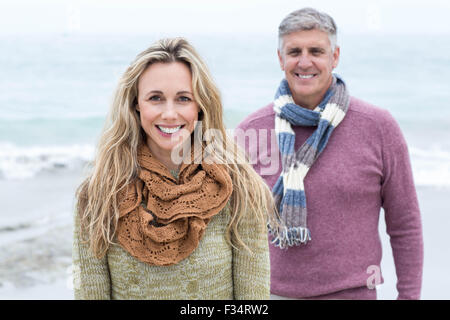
294	53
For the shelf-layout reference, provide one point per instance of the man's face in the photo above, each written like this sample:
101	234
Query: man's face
307	60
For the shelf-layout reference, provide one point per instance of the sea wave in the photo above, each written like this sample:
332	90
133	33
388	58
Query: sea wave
431	166
18	162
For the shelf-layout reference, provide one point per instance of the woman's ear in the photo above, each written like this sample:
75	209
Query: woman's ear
136	104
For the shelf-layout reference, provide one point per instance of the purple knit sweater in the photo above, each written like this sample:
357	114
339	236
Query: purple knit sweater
365	166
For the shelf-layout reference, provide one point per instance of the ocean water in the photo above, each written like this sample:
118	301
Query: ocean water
55	91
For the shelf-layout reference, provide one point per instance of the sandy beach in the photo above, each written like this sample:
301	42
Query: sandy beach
36	240
36	236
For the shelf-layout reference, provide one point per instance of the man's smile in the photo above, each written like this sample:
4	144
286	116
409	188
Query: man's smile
305	76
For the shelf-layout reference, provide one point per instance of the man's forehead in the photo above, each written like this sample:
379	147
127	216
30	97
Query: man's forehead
306	39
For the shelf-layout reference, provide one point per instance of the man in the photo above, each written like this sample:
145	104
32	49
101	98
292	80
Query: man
340	160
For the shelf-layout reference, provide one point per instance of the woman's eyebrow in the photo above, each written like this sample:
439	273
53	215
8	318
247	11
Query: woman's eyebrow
153	92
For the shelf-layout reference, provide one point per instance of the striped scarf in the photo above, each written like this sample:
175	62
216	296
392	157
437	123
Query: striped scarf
289	191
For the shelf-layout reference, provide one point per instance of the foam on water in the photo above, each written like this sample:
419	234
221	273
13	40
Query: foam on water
26	162
431	167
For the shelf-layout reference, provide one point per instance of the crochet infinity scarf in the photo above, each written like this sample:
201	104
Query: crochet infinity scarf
289	192
162	219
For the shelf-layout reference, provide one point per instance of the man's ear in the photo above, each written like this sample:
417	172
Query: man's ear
336	54
280	59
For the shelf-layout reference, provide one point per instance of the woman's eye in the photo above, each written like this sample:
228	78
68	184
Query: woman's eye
155	98
184	99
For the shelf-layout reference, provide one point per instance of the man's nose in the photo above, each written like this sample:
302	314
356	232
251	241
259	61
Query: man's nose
304	61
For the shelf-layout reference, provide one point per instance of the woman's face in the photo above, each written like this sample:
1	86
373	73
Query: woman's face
166	104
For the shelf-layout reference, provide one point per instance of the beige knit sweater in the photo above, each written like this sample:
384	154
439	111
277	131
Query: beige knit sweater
215	270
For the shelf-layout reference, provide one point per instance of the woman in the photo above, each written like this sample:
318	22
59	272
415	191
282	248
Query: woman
151	227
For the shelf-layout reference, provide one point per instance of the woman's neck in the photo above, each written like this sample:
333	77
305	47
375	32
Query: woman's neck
165	157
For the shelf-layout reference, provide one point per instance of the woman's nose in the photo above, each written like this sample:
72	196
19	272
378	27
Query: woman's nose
169	111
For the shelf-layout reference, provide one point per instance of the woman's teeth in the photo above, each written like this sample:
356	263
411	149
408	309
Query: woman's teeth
169	130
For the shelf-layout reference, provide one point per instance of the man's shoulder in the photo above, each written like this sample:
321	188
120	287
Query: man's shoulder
361	108
261	118
264	117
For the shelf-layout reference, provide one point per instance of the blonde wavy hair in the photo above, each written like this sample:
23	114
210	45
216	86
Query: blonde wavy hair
115	164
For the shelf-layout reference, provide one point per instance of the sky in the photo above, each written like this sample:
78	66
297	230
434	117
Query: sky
210	16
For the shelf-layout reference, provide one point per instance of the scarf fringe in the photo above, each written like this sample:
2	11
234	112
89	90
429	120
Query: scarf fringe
289	236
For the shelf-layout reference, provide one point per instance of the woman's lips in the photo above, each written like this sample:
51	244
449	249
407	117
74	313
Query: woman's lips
168	130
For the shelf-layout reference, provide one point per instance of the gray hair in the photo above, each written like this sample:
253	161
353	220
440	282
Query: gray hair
308	19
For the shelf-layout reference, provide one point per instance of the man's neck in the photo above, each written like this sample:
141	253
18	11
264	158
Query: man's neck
308	104
311	102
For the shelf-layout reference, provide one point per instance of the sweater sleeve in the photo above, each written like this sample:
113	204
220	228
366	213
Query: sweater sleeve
90	275
402	214
251	271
